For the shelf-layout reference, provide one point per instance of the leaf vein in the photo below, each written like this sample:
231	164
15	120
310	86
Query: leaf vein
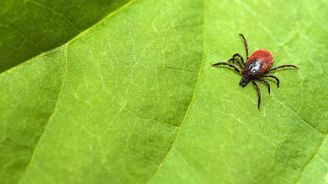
295	112
310	160
192	99
80	34
54	12
52	113
20	34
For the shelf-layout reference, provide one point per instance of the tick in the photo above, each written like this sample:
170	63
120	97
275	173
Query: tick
256	68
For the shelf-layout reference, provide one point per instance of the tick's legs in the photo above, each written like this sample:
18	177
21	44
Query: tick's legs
239	59
258	94
274	77
233	60
282	66
266	83
245	44
227	64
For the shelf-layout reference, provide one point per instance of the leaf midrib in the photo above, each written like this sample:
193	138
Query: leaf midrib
63	77
192	99
52	113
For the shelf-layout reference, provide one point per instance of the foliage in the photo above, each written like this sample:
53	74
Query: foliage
133	98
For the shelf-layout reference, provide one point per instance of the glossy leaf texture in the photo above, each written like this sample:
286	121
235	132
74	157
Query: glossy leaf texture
134	99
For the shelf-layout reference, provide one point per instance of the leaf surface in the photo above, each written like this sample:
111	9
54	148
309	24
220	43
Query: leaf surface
31	27
134	99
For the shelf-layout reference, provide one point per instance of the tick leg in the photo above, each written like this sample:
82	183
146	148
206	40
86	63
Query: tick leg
258	94
266	83
282	66
233	60
227	64
245	44
274	77
239	59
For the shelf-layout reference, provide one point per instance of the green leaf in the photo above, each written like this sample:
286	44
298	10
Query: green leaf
134	99
30	27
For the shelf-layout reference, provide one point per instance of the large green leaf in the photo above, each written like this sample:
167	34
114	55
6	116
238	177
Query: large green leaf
134	99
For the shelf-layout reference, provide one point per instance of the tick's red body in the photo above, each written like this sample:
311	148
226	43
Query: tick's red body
264	56
257	64
257	68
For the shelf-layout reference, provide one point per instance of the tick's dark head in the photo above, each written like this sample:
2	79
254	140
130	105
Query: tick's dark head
245	79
